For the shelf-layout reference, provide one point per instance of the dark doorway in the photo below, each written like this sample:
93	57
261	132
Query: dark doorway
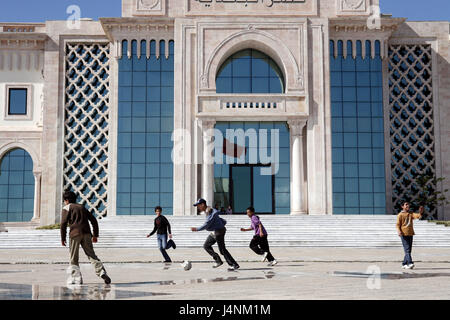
248	187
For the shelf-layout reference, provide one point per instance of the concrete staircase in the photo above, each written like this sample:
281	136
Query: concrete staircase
284	231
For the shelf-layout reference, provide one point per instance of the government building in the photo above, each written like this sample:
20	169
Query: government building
295	107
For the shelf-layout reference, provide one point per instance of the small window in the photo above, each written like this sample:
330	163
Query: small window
17	101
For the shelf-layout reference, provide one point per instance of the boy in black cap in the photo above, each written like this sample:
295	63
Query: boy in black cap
215	224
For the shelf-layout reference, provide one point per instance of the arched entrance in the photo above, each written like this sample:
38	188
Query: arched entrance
17	186
240	180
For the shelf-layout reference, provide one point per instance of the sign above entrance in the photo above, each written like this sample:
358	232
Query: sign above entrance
267	3
251	7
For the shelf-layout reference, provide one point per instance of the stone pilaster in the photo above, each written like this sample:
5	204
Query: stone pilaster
207	127
298	190
37	196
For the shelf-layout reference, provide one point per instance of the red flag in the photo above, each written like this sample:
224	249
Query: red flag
231	149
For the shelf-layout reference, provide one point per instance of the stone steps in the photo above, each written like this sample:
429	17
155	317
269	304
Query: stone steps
284	231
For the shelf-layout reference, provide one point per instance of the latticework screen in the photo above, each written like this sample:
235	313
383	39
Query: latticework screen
411	120
87	124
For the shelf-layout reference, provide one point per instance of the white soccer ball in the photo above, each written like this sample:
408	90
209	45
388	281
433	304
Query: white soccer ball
187	265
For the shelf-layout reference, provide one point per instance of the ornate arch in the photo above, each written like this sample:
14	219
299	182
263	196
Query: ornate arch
262	41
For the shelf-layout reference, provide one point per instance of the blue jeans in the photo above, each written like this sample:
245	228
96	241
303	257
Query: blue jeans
407	242
162	244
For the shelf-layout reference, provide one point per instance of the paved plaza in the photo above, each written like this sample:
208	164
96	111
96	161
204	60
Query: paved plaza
302	274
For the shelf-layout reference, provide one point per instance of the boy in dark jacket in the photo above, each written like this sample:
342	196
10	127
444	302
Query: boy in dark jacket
162	226
78	217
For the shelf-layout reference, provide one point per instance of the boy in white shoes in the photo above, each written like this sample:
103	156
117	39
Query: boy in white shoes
405	230
259	243
78	217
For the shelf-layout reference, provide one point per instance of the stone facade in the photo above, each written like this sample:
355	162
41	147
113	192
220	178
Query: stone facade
295	34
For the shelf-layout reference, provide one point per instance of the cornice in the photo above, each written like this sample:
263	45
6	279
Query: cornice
25	41
116	27
359	24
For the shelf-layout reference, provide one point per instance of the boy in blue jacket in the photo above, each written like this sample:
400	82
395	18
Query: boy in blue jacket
215	224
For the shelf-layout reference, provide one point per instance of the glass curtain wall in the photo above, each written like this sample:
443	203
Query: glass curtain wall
359	185
146	110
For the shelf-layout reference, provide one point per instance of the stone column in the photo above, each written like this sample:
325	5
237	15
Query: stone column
298	187
37	196
208	161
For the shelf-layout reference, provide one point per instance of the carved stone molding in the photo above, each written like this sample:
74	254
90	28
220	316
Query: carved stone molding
207	124
289	39
352	7
149	8
296	126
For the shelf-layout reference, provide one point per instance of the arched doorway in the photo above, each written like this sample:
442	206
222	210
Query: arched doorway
17	186
240	183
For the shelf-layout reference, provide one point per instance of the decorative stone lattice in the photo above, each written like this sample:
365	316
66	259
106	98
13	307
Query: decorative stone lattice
87	124
411	120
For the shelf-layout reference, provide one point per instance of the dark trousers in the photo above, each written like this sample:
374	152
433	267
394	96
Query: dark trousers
261	245
407	242
219	237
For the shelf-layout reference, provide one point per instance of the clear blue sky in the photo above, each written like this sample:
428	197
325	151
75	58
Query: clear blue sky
42	10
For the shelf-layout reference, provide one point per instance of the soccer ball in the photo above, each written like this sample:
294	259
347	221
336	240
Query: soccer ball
187	265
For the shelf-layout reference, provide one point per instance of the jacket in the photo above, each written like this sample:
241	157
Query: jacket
405	222
77	217
213	222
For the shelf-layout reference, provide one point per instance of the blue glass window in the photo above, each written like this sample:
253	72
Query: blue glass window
146	122
17	101
249	71
16	187
357	131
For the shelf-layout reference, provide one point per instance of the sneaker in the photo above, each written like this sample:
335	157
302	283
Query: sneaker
411	266
171	244
404	266
217	264
265	256
233	268
273	263
106	278
407	267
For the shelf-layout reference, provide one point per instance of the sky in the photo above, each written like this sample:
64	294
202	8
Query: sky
42	10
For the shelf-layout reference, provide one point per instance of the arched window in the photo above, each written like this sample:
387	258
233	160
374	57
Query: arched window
16	187
250	71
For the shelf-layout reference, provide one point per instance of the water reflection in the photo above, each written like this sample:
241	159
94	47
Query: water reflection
74	292
114	291
390	276
267	275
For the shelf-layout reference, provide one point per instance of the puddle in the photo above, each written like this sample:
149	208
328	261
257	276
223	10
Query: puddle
114	291
25	271
390	276
82	292
268	275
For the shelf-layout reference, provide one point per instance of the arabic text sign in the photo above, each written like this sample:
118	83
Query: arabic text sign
252	7
267	3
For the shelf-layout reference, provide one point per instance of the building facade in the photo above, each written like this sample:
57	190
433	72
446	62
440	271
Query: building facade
294	107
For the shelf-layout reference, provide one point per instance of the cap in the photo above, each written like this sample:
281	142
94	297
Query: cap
199	201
